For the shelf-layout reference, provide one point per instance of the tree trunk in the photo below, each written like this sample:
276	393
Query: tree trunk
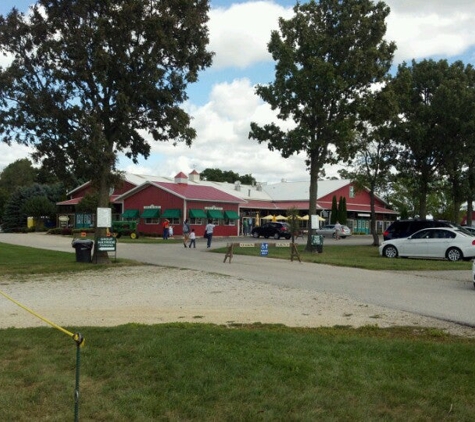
314	171
373	230
102	257
471	196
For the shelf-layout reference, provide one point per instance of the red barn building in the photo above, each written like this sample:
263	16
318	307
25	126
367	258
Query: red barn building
150	199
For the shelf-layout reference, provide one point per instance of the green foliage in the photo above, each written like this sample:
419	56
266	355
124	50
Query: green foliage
18	174
88	204
218	175
16	211
119	77
334	211
435	127
40	208
342	211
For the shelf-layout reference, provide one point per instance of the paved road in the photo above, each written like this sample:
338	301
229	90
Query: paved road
446	295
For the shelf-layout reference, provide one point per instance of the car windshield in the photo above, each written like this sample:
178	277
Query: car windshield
464	230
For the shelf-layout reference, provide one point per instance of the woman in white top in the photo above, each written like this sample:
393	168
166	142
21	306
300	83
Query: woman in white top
209	232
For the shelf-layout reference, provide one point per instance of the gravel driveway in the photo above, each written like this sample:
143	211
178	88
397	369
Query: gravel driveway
152	294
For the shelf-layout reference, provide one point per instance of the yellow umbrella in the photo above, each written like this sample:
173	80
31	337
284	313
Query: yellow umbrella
268	217
280	217
305	217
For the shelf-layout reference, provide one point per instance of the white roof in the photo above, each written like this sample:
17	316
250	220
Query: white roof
282	191
300	191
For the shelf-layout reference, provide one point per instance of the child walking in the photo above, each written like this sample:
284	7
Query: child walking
192	238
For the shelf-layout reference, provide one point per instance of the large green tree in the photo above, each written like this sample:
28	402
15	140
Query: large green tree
18	174
92	79
24	202
327	57
376	151
422	130
455	105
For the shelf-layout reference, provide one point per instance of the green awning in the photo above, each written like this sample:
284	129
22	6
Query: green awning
215	214
131	214
151	213
231	215
172	213
197	214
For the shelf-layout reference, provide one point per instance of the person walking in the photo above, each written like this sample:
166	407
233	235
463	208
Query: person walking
166	229
209	232
245	226
192	239
186	232
337	230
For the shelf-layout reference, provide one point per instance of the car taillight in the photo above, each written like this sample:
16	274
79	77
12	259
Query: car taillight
473	243
386	233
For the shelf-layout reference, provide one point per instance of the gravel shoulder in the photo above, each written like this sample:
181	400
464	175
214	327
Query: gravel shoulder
152	295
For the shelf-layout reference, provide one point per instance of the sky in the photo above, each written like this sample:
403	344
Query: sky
223	102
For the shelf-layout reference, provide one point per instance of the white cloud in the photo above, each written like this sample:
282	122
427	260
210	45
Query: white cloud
239	34
424	28
223	125
9	154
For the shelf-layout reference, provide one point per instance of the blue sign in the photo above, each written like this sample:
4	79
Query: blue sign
264	249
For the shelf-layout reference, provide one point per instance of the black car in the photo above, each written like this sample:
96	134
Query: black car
275	230
404	228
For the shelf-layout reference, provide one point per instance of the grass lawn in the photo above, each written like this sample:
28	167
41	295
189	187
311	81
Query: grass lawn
18	261
200	372
188	372
355	256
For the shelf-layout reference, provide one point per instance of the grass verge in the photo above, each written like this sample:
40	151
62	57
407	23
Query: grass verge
355	256
198	372
17	261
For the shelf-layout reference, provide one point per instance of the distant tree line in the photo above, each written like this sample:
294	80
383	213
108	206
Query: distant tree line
229	176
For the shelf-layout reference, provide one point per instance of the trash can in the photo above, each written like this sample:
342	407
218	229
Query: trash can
317	242
83	249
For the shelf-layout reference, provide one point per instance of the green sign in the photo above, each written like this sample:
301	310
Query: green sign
106	244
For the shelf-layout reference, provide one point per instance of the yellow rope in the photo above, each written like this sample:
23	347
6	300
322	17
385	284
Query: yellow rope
75	337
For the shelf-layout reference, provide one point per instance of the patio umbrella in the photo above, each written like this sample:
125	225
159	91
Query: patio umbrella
268	217
304	217
281	217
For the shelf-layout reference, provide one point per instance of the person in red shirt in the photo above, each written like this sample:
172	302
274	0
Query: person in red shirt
166	229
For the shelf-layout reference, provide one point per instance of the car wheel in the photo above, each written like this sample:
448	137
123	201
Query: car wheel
454	254
334	235
390	251
266	237
287	237
276	236
255	235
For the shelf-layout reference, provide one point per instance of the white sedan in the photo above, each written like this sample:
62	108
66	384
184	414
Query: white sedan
438	242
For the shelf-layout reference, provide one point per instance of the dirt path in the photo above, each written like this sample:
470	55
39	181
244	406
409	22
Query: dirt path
152	295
